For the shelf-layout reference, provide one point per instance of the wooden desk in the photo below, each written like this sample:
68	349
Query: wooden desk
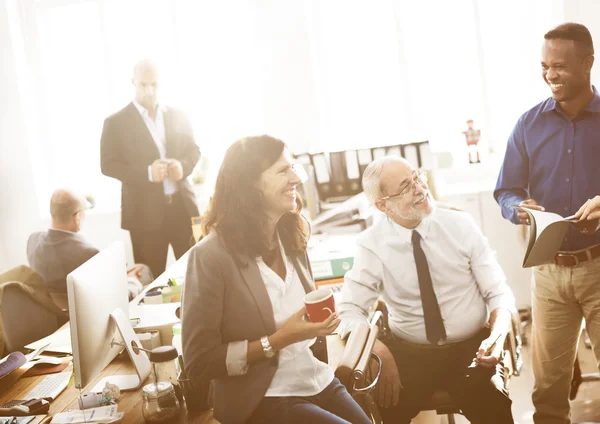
130	403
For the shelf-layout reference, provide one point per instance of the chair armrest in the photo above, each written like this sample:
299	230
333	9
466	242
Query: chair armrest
352	354
360	371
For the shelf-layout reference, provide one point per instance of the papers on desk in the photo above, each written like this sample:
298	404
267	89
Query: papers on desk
16	360
57	342
105	414
351	216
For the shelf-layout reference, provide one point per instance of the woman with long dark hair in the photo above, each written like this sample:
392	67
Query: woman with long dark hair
243	311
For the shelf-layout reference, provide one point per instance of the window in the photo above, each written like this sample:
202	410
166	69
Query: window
321	75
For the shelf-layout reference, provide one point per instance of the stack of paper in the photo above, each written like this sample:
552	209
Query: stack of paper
104	414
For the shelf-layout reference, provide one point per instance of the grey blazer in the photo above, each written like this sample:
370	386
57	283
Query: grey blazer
223	303
53	254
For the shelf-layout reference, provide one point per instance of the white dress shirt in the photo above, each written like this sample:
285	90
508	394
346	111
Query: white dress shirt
157	131
467	279
298	373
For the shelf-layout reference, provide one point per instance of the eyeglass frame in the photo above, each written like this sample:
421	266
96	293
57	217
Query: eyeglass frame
419	177
90	204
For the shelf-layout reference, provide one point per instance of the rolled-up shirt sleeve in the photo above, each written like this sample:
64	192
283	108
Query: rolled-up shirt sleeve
488	273
362	285
237	358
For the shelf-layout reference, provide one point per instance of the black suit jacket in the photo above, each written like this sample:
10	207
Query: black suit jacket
127	149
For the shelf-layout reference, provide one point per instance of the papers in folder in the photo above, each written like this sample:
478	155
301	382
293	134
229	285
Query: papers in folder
546	233
57	342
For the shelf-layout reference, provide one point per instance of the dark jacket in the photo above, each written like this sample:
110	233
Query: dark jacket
127	149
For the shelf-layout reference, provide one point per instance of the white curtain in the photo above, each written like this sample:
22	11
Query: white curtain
321	75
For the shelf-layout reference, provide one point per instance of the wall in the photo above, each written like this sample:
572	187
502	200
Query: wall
586	12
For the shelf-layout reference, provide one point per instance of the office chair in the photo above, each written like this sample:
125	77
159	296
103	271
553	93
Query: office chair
440	401
23	318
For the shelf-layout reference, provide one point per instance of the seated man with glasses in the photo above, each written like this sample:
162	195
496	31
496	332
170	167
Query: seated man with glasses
56	252
448	301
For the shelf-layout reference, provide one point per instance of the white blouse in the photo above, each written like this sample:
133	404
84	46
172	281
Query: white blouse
299	373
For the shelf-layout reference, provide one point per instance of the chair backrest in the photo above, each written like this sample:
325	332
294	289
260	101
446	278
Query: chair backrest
24	319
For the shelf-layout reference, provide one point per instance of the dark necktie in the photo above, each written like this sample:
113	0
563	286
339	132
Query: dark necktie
434	325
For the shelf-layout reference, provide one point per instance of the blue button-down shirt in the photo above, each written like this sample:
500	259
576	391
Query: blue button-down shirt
554	161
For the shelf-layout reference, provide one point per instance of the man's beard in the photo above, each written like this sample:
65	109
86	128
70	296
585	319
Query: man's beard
414	214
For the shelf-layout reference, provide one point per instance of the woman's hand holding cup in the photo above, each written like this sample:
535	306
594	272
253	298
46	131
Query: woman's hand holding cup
297	328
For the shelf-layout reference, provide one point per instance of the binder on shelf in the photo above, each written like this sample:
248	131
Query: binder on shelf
332	255
411	155
319	163
378	152
331	268
303	158
339	179
425	156
394	151
353	174
364	159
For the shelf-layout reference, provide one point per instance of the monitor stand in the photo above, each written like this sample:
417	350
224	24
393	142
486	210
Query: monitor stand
138	357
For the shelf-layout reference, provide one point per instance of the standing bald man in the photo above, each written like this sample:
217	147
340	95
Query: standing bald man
150	148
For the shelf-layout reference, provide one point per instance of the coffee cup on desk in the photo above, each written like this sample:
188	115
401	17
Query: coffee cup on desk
153	298
320	304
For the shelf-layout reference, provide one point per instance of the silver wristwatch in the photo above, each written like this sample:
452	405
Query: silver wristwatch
267	348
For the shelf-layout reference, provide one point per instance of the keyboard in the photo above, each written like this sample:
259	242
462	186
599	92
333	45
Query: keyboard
50	386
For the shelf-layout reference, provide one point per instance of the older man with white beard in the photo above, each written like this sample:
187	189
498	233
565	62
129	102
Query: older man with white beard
446	294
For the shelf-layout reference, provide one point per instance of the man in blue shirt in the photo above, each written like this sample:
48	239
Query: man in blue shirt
551	164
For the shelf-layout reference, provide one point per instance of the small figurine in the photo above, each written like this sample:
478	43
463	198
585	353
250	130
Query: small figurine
472	135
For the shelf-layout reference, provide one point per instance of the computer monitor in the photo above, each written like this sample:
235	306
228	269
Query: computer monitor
98	307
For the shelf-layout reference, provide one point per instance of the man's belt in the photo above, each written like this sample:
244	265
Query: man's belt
572	259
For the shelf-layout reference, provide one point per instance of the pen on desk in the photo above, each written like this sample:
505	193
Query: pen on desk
493	345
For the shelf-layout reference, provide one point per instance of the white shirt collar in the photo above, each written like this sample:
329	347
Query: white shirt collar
406	233
144	112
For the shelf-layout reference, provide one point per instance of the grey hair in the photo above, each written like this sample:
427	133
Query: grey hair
371	179
64	204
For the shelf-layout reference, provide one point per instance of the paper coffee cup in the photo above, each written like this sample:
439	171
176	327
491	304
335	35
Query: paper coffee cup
320	304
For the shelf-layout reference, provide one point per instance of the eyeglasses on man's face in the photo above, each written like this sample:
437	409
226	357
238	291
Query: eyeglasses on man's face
419	178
